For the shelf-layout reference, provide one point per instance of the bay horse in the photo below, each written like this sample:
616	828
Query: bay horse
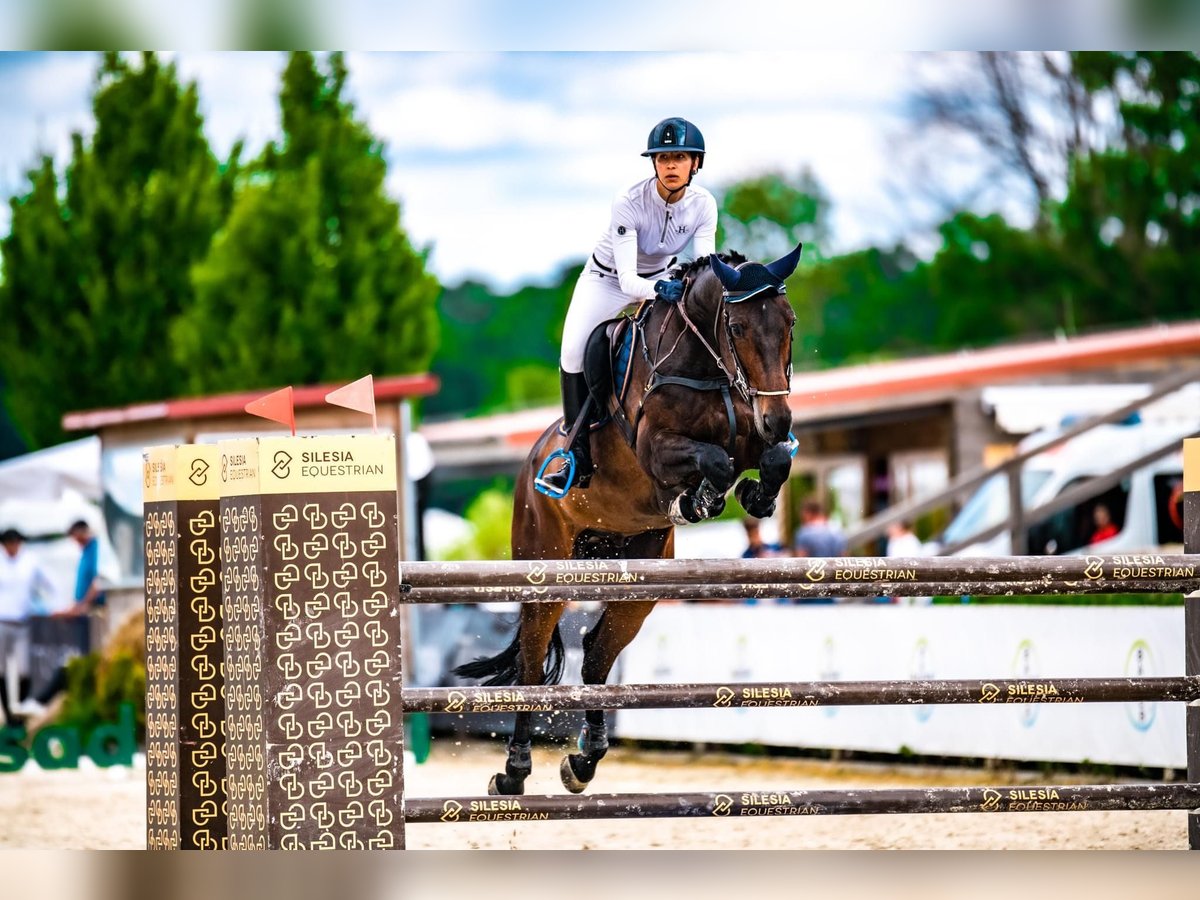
707	385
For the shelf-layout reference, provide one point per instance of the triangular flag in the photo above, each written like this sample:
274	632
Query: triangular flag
358	396
278	407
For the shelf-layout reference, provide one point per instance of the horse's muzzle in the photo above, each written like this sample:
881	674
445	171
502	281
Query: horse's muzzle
776	425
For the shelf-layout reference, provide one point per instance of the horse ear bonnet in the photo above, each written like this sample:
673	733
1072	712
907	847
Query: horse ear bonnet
751	279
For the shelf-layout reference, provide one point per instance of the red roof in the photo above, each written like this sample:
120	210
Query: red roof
973	368
391	388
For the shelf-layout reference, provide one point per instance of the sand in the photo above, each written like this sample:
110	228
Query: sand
105	808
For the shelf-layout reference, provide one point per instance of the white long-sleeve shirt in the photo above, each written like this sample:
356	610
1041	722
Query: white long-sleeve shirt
21	581
646	232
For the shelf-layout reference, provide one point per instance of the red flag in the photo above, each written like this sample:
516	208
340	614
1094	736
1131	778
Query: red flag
358	396
278	407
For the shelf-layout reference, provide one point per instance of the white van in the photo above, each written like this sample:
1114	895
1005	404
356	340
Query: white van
1145	508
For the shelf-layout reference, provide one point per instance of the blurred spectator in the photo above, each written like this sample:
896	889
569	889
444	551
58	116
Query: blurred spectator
756	546
1105	528
89	590
817	536
902	541
22	580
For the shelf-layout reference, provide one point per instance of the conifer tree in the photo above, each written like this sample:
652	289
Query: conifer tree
96	264
313	279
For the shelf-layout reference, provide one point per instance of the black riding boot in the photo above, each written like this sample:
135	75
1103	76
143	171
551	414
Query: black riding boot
574	394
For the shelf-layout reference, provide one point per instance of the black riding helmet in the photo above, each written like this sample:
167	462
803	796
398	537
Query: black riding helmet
675	134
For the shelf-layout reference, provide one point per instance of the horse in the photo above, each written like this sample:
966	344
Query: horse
705	400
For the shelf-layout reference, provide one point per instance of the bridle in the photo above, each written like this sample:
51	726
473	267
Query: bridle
734	374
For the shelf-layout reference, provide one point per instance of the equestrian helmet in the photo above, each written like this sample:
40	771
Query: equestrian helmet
675	134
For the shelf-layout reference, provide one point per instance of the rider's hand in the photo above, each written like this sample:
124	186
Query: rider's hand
670	290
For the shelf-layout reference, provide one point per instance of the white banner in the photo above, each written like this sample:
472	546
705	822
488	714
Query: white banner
712	643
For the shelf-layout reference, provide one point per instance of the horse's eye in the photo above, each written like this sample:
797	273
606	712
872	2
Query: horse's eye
737	330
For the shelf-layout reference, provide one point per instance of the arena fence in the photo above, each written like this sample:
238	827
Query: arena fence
274	699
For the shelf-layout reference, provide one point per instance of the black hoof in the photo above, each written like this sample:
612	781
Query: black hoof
505	785
570	780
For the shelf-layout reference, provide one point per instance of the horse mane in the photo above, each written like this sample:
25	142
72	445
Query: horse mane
732	258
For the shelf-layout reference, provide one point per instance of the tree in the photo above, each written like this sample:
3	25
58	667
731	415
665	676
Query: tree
764	217
504	350
314	278
1130	223
95	269
1016	119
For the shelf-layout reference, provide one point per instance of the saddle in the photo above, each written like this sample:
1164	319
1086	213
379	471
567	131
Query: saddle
607	368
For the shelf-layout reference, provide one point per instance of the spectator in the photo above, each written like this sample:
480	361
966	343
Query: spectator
89	590
22	580
756	547
902	541
817	536
1105	528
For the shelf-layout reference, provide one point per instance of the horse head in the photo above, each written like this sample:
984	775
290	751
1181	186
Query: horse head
753	323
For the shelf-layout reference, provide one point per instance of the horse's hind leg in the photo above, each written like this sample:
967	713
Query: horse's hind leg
538	624
601	646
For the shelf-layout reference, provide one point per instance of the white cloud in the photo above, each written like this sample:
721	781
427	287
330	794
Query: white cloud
507	163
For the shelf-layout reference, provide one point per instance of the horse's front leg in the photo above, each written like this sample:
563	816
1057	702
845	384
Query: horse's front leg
692	476
758	496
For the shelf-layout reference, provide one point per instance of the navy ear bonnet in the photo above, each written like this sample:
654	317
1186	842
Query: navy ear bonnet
751	279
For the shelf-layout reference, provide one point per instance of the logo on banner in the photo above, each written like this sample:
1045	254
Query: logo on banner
722	805
282	464
199	474
456	701
920	668
724	697
450	811
1094	567
829	670
816	570
991	800
1025	666
1139	663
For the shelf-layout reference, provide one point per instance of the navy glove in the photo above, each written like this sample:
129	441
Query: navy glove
670	290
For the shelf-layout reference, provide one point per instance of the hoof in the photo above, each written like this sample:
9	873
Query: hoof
569	779
505	785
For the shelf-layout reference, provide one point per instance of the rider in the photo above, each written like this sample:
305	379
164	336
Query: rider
651	223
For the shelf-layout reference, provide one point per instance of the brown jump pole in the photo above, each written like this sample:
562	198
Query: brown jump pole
866	801
782	591
1031	571
555	698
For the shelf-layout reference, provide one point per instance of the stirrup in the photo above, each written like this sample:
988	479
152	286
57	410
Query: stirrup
550	490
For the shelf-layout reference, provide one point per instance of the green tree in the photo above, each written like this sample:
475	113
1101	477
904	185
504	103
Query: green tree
1130	223
764	217
96	265
314	278
502	350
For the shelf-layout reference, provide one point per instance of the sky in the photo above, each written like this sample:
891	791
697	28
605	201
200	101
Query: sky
506	163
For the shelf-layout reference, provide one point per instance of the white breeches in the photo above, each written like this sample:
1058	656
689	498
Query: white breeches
597	297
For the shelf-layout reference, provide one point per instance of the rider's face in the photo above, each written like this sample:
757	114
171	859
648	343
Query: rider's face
674	168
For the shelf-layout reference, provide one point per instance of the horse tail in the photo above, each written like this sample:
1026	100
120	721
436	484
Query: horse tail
504	668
